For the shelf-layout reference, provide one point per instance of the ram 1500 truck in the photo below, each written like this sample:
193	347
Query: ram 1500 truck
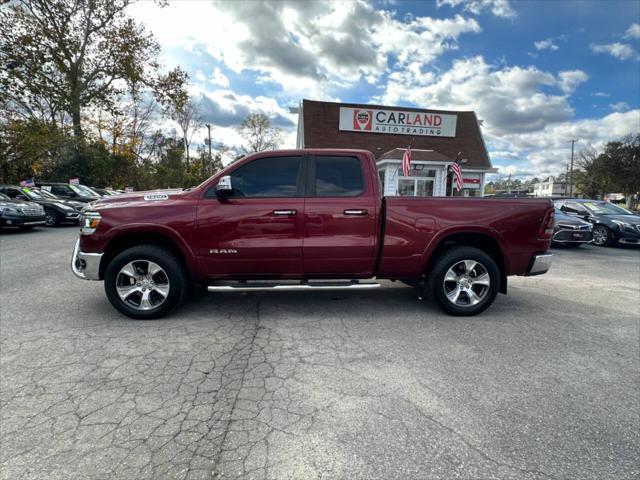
311	219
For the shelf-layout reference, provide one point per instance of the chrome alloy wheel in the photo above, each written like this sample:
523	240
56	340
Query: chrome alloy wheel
600	236
50	219
142	284
466	283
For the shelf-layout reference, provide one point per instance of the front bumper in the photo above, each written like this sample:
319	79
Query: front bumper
10	220
628	236
540	263
572	236
72	217
85	265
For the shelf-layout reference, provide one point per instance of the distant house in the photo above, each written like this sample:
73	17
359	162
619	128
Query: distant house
550	188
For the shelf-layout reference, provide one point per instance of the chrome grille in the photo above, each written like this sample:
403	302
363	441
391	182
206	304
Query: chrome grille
32	210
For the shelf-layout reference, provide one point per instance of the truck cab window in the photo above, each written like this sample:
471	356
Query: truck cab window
267	177
338	177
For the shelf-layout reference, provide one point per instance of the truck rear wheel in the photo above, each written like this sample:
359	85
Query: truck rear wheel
464	281
146	282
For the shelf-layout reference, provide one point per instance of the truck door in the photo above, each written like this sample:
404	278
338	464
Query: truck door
340	218
256	230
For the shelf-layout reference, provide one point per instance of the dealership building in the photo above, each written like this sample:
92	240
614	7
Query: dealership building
436	137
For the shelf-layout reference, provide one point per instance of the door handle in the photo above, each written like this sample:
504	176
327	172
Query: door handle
355	211
284	213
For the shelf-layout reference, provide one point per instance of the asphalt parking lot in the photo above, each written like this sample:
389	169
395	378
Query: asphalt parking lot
357	385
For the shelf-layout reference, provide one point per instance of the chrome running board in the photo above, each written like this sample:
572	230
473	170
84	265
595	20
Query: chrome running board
284	286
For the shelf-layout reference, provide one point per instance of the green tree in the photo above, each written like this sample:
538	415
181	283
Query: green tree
67	56
31	148
259	134
621	160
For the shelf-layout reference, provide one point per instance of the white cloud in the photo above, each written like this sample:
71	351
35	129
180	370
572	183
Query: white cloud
200	76
619	106
600	94
568	80
499	8
547	44
633	31
510	99
622	51
308	48
546	151
219	78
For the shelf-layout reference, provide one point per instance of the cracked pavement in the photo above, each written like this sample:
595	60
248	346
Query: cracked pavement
358	385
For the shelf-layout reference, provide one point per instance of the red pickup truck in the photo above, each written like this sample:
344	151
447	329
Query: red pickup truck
307	220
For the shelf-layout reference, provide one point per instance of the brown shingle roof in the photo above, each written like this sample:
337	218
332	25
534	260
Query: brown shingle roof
321	121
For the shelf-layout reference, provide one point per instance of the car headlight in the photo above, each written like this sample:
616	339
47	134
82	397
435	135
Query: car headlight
8	209
64	207
89	222
622	224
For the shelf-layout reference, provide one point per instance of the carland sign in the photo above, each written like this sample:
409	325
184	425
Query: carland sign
397	122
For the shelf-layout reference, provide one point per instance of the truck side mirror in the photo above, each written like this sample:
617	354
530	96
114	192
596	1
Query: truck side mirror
224	186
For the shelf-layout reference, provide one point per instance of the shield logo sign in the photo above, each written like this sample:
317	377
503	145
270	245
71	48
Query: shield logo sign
362	119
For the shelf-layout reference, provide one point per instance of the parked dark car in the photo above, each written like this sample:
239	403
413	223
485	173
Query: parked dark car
68	191
571	230
23	215
78	206
56	211
611	223
103	192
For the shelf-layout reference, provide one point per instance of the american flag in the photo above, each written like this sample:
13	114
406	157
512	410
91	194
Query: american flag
457	173
406	162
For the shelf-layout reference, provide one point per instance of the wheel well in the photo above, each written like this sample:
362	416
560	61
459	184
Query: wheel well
128	240
481	241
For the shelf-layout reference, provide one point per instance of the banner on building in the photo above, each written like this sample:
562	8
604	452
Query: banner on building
471	180
397	122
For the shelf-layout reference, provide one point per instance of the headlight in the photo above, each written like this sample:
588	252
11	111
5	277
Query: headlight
622	224
8	209
89	222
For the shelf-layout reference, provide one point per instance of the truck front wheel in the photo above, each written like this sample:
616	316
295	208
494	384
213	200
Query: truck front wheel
146	282
464	281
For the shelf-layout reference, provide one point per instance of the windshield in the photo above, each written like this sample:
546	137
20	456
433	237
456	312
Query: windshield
604	208
32	194
89	190
80	191
47	194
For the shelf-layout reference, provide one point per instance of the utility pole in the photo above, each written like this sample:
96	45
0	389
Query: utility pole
573	141
209	143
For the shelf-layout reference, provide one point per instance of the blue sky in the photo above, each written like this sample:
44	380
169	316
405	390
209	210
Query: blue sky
538	73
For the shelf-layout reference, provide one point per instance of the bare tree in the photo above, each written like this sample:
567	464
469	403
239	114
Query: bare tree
259	133
178	105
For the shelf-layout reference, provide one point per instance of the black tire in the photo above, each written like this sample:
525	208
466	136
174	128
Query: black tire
176	273
603	237
436	289
52	218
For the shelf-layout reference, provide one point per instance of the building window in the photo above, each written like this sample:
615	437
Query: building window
418	187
